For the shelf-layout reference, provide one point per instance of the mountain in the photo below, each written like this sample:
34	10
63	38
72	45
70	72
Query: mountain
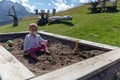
6	6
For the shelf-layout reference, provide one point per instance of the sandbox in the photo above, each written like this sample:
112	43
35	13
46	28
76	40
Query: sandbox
63	63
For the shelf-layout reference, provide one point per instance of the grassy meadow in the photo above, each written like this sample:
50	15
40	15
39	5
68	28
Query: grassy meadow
99	27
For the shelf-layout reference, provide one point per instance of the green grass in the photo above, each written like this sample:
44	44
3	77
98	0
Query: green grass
100	27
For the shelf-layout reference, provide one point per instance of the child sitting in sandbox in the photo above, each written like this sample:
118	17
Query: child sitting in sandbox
34	42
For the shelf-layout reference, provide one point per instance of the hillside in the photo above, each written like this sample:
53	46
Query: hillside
100	27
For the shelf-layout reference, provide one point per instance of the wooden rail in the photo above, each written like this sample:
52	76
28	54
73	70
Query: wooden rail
11	68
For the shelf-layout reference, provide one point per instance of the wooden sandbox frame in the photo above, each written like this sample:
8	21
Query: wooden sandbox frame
13	69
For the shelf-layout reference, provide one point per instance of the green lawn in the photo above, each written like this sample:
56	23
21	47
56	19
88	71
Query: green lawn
100	27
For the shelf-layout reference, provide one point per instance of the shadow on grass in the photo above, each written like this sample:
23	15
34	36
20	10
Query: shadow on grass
98	12
62	22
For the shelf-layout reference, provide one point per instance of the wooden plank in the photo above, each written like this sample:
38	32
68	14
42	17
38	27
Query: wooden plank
84	69
82	42
11	68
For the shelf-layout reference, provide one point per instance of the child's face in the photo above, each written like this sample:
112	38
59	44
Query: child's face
33	29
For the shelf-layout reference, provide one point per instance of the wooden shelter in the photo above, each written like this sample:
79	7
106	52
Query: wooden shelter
43	19
103	6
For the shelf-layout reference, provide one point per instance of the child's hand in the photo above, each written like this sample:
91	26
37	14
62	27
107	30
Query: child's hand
48	42
27	51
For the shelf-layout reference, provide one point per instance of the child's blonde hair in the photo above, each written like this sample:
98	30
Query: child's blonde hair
33	25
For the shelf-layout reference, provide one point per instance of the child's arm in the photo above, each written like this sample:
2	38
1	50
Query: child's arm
26	44
42	40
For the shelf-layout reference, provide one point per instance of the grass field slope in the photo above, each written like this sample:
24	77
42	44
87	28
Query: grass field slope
99	27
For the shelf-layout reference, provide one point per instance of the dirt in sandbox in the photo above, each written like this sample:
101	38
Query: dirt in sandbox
61	55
